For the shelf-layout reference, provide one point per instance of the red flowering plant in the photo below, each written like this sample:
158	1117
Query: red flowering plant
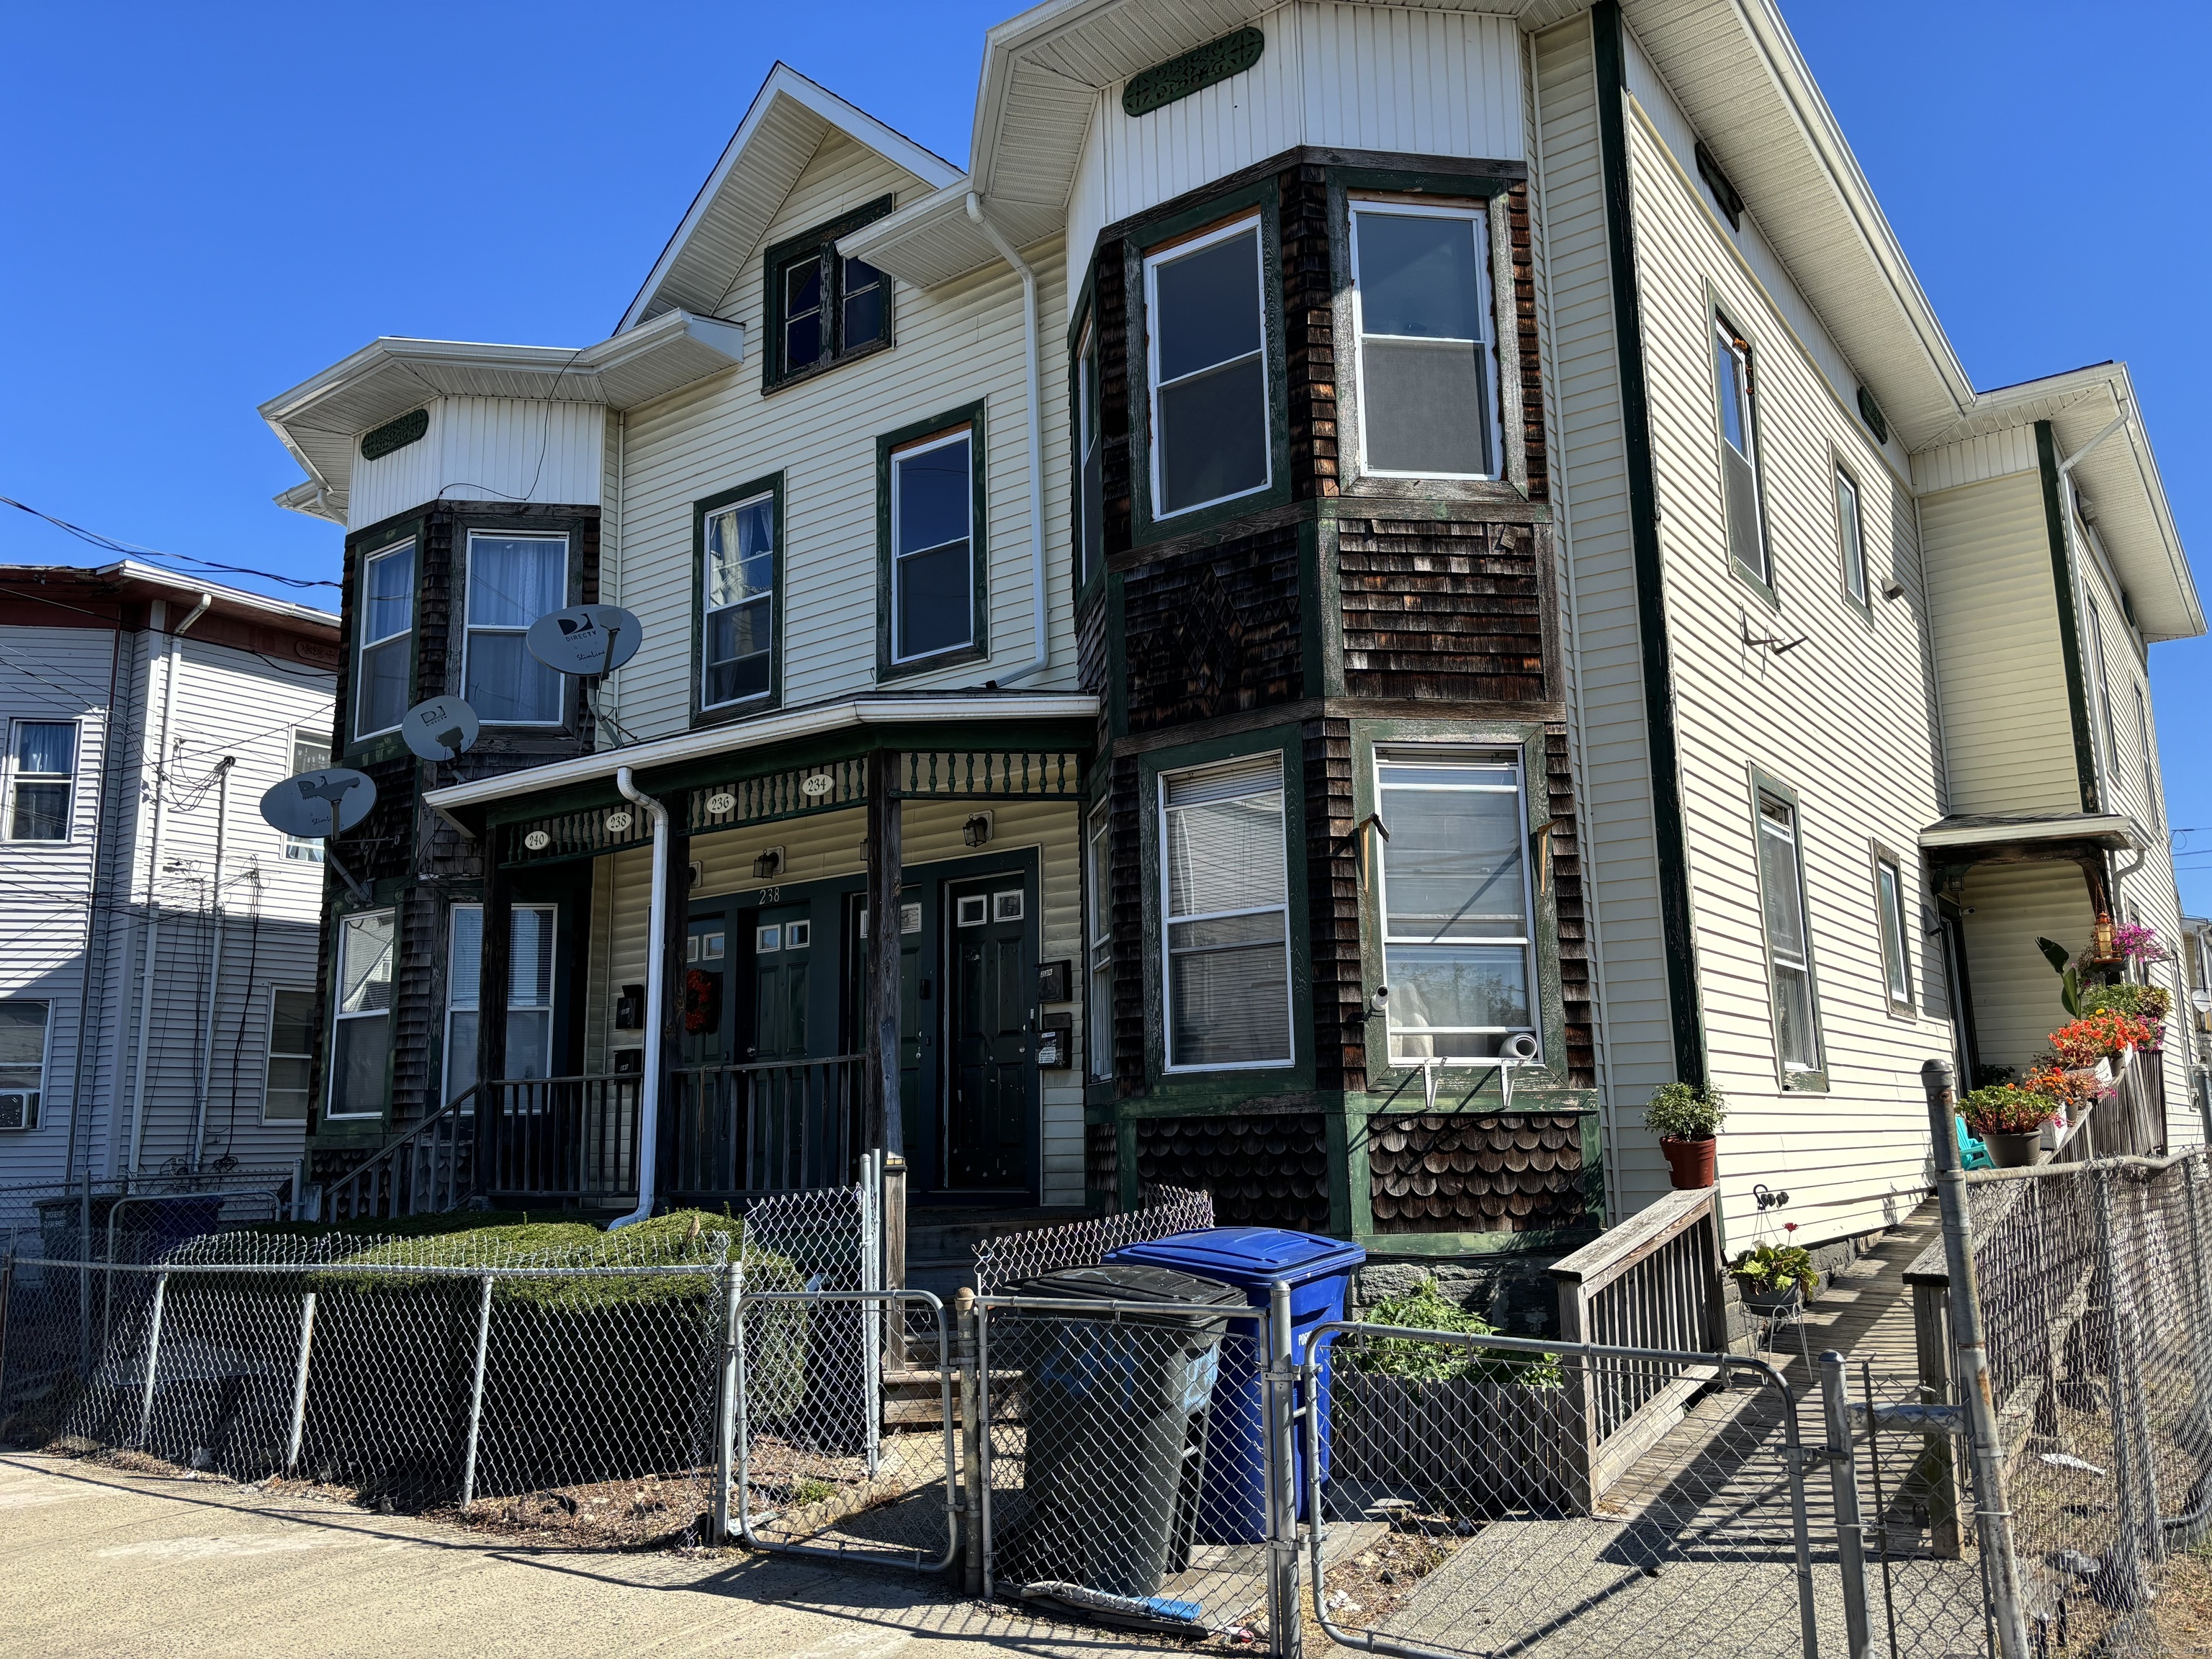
2072	1093
2104	1035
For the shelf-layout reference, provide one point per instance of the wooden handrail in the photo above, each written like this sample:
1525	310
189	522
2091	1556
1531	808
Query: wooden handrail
1617	1249
372	1187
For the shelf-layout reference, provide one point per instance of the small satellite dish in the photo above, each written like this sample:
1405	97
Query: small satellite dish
587	638
441	729
317	804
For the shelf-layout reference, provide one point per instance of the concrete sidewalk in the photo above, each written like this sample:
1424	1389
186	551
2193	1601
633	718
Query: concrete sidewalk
98	1563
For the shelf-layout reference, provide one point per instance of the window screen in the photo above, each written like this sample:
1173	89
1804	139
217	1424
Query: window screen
1853	531
529	993
22	1063
361	1034
1098	902
1227	915
1209	371
1896	956
311	753
291	1055
1427	371
512	581
738	641
1732	371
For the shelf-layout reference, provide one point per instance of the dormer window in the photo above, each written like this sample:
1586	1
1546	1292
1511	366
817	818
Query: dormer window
822	308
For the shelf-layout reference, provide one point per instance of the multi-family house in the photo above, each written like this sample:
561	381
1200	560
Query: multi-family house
157	937
1368	583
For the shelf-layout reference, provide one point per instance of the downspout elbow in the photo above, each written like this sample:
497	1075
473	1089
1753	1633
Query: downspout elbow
656	992
1041	658
195	613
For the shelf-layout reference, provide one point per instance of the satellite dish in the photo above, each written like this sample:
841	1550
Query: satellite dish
444	728
317	804
586	639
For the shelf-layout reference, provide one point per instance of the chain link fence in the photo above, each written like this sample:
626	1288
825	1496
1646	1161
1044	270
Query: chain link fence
1160	1212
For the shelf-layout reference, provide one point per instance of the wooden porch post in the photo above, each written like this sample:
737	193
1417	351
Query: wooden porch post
672	1107
491	1012
886	1129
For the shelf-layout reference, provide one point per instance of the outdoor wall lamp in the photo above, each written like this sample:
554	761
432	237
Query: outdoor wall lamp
977	832
768	865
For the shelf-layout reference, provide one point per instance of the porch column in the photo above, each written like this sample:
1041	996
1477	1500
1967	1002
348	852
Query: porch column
673	1106
491	1011
886	1129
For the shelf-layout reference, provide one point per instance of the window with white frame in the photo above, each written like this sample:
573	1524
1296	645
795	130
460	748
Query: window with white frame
529	993
1428	360
1789	951
513	581
2101	691
1206	342
1089	460
1733	375
1850	526
1099	900
41	779
933	546
738	642
22	1062
1457	938
360	1026
2151	803
285	1084
1896	943
386	654
1225	905
311	753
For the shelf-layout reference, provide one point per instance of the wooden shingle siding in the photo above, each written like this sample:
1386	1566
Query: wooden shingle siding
1129	818
1214	631
1515	213
1464	1173
1110	309
1340	997
1440	609
1308	332
1575	991
1264	1168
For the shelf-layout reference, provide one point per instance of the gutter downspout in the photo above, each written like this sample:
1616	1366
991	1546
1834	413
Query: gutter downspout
656	991
215	963
1031	346
151	948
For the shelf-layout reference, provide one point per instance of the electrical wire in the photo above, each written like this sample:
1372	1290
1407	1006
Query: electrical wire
297	669
131	549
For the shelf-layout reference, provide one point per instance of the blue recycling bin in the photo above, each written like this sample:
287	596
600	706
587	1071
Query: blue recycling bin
1233	1503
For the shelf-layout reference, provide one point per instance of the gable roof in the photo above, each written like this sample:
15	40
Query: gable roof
788	119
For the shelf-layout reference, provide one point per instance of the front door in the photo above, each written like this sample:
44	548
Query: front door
782	947
990	989
709	1034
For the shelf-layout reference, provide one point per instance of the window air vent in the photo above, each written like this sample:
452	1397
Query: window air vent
1724	196
1870	412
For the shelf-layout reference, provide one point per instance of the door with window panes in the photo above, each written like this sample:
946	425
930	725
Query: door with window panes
990	1017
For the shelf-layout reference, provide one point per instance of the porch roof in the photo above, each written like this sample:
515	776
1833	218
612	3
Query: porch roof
2113	830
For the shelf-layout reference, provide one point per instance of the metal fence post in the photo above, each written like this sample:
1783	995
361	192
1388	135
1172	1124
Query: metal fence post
1992	1514
475	1395
726	1405
1286	1627
872	1338
7	1290
984	1437
153	1358
1850	1525
300	1384
2132	1480
971	1450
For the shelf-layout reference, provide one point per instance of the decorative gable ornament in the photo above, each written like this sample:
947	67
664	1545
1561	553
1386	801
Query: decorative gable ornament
1195	70
379	441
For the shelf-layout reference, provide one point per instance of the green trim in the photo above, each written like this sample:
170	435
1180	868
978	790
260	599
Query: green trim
1385	1245
1191	71
1718	312
1671	842
1816	1080
978	648
774	372
2069	621
379	441
721	714
385	895
1082	584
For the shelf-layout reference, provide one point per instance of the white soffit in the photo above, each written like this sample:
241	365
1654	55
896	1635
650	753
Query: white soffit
785	126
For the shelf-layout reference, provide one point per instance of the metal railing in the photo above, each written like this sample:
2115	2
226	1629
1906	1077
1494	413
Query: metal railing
736	1131
428	1170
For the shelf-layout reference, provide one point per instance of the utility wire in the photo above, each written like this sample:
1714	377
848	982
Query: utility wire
131	549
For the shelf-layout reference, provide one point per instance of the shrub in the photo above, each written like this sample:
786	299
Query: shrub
1771	1266
2008	1109
1426	1308
1685	1111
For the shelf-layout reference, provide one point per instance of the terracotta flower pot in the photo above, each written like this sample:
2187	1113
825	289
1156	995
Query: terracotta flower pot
1690	1163
2013	1152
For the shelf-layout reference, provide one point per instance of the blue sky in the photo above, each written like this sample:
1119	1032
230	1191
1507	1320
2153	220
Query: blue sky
201	206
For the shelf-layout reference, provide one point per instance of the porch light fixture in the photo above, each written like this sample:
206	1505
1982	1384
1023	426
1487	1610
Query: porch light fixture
977	832
768	865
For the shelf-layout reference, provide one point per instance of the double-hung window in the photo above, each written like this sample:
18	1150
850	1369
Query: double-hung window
2100	683
2149	758
1098	902
1896	947
22	1062
387	639
311	753
512	581
1225	905
1428	362
529	993
1850	526
42	780
825	307
933	546
1788	948
738	653
360	1026
1734	379
1207	343
1089	460
1456	933
285	1084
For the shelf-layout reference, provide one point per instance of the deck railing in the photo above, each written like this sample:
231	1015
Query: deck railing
428	1170
565	1139
1652	1282
736	1131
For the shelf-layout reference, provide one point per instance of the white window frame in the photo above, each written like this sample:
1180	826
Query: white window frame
270	1055
36	1114
1098	953
16	777
708	611
1485	313
1090	440
2152	803
1169	919
1742	351
1469	755
338	1015
1153	388
965	434
2100	708
1889	902
307	849
457	1005
1777	961
1851	530
363	646
471	627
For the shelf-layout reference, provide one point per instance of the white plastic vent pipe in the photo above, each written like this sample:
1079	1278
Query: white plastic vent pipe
1041	658
656	991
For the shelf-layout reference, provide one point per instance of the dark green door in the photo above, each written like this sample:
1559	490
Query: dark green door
782	947
709	1033
989	1011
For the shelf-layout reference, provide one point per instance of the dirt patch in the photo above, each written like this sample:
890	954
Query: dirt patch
649	1513
1368	1582
2183	1612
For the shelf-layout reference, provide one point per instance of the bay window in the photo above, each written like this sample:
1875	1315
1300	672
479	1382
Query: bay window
1428	361
1205	334
1098	903
360	1026
385	658
1225	905
513	581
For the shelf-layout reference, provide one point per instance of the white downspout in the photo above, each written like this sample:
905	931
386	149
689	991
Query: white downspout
656	990
1031	346
150	950
215	965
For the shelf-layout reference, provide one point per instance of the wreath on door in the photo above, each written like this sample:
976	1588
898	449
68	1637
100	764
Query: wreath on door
702	1001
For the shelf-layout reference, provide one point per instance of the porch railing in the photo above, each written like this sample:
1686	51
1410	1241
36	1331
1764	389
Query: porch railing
428	1170
777	1126
566	1139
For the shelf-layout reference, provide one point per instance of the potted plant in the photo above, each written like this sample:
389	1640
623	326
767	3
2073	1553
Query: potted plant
2008	1120
2106	1033
1685	1116
1774	1278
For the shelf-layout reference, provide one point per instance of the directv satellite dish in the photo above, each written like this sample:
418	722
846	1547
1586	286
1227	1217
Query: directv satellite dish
441	729
587	638
317	804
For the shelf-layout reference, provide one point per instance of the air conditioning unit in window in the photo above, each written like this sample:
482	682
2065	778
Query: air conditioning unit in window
19	1109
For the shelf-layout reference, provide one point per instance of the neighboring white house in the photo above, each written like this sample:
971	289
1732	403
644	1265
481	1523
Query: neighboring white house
145	714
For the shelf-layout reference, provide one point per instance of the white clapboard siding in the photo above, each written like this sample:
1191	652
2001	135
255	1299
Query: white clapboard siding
477	449
957	345
2007	729
2016	1005
1974	460
1843	718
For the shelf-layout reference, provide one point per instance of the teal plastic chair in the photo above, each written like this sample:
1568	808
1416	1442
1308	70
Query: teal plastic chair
1973	1154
